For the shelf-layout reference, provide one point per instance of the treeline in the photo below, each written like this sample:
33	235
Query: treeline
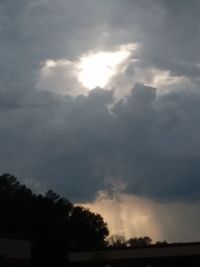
117	241
52	223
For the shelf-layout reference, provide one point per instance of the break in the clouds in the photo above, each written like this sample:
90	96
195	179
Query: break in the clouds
93	69
139	132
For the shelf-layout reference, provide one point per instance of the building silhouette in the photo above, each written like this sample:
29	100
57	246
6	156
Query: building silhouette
167	255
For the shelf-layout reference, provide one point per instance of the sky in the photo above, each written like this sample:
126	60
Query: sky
100	102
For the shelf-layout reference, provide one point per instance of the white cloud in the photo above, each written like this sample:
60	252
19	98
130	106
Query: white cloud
60	77
97	69
91	70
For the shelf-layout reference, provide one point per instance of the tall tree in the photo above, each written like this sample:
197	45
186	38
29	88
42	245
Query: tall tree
88	229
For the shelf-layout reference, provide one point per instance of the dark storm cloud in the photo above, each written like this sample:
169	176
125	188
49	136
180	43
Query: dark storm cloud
78	145
168	32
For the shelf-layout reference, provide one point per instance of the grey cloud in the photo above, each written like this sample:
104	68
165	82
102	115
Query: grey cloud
168	33
33	31
163	147
74	145
150	143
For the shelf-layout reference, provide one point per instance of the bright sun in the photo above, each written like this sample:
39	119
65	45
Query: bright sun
97	69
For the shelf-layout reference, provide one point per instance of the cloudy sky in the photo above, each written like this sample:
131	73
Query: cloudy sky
100	101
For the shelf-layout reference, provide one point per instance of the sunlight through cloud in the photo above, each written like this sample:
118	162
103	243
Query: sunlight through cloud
96	69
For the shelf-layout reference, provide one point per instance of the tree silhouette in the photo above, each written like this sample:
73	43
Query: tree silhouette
162	243
87	227
52	223
139	241
117	241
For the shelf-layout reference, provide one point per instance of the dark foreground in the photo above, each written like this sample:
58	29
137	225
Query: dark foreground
175	255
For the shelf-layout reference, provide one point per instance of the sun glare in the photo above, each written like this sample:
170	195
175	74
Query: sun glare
97	69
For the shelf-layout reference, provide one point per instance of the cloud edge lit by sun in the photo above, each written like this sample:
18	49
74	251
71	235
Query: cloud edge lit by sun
97	69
